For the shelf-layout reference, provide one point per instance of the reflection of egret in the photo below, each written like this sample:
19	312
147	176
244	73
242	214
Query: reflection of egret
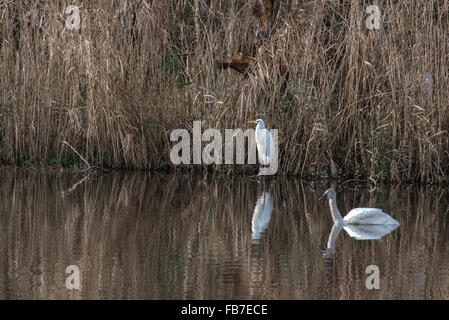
262	215
369	216
264	142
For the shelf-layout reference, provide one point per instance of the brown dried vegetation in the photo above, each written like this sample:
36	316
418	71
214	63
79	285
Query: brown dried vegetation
136	70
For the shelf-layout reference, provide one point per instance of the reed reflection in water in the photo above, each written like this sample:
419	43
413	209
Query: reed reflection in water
139	236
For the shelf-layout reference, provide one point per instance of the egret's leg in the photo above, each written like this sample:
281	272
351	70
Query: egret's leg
261	177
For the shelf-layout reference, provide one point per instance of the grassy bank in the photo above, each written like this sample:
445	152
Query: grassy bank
136	70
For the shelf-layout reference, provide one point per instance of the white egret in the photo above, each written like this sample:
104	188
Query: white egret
264	143
371	216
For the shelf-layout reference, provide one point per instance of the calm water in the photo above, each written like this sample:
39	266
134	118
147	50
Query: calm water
138	236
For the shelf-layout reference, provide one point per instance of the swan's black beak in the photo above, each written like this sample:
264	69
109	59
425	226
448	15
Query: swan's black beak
324	196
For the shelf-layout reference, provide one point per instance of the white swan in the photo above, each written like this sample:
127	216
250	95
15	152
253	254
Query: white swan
262	215
371	216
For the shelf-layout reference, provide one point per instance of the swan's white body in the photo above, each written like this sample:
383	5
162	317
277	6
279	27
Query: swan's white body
369	231
262	215
264	143
362	216
368	216
359	223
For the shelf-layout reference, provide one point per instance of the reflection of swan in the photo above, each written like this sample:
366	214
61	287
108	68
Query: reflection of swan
329	251
359	216
262	215
359	232
369	231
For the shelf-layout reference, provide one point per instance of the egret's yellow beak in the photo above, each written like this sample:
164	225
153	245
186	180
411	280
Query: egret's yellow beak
252	121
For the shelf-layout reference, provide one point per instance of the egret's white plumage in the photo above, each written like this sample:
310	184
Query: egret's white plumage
264	143
368	216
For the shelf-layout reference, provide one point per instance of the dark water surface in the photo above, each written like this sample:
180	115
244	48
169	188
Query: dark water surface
141	236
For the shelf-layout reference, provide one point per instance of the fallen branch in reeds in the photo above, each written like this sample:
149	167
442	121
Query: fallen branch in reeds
89	171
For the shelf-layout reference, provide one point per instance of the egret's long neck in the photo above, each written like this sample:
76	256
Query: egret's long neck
336	216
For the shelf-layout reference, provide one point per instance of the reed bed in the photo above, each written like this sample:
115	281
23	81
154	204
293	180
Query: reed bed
347	101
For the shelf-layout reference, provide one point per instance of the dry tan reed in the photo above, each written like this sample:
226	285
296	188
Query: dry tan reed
136	70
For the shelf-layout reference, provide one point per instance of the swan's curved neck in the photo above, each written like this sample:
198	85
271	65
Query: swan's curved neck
336	216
